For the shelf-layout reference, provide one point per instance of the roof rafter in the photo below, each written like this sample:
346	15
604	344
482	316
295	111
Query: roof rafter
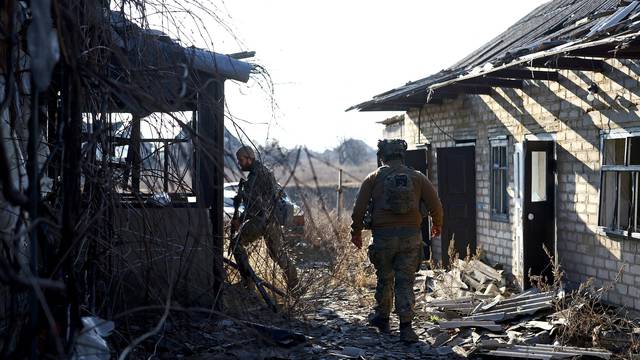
487	81
569	63
524	73
401	105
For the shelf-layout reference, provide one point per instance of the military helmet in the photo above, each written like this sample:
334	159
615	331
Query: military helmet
392	148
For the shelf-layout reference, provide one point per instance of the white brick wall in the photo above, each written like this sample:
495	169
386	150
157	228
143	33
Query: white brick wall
560	108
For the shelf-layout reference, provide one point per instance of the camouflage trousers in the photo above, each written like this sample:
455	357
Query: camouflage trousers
396	254
250	231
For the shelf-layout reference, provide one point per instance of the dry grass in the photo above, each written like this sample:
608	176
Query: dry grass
584	317
328	239
589	322
326	259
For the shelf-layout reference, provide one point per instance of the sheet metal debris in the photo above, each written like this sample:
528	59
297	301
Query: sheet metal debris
471	322
541	351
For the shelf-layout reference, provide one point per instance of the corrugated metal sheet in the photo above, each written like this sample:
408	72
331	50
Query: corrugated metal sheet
550	26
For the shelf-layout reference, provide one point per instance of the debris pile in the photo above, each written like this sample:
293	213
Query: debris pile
472	312
471	278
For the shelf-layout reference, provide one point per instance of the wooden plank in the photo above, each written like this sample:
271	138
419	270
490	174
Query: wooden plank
478	297
401	105
523	73
462	89
518	354
487	270
485	81
454	324
475	284
606	53
210	173
569	63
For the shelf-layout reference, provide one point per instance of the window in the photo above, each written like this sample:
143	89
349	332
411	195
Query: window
538	176
498	191
152	154
619	184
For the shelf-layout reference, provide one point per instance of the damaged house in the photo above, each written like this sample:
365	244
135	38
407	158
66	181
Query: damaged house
533	141
111	170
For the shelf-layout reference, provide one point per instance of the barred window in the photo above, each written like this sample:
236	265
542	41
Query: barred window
498	190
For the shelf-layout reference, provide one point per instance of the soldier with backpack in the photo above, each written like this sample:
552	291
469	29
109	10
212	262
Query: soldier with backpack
393	194
263	215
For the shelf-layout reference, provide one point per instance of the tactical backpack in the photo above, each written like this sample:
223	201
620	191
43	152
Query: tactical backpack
283	209
399	196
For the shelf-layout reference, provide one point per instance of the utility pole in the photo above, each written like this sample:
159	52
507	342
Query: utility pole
339	194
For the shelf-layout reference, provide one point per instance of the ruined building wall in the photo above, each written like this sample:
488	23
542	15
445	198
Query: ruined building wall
561	108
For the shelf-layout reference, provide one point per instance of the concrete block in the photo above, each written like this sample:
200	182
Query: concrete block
621	289
603	274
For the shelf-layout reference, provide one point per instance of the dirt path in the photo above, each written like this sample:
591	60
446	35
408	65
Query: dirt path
336	329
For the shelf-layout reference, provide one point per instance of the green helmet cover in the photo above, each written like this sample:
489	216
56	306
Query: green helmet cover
392	148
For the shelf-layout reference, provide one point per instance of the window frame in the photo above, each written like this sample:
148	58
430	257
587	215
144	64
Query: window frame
617	169
495	169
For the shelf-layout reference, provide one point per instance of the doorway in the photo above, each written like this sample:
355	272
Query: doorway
418	160
457	191
538	209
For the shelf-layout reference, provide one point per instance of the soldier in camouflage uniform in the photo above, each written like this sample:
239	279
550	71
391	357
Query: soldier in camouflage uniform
259	196
392	194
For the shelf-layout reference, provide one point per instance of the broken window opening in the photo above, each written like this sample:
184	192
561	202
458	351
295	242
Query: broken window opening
619	179
499	180
150	155
614	152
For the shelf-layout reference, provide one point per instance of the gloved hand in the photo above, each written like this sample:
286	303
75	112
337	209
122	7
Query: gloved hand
356	239
436	230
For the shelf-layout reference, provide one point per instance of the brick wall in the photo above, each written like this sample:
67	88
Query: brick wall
562	109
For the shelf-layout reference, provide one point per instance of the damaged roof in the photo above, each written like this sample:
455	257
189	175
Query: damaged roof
153	72
561	34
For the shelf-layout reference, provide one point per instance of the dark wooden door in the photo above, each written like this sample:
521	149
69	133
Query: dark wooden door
457	191
538	209
417	159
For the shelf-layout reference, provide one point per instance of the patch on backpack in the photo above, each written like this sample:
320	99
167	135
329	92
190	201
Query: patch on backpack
399	197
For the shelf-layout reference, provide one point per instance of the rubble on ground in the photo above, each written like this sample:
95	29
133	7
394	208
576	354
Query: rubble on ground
473	313
468	311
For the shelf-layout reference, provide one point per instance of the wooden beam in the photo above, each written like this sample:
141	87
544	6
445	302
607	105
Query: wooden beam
401	106
487	81
569	63
463	89
210	173
524	73
608	53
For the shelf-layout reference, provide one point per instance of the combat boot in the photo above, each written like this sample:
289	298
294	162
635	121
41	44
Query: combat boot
380	322
407	334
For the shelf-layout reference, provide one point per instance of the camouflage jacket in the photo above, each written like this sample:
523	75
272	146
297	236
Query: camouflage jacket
259	192
374	190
